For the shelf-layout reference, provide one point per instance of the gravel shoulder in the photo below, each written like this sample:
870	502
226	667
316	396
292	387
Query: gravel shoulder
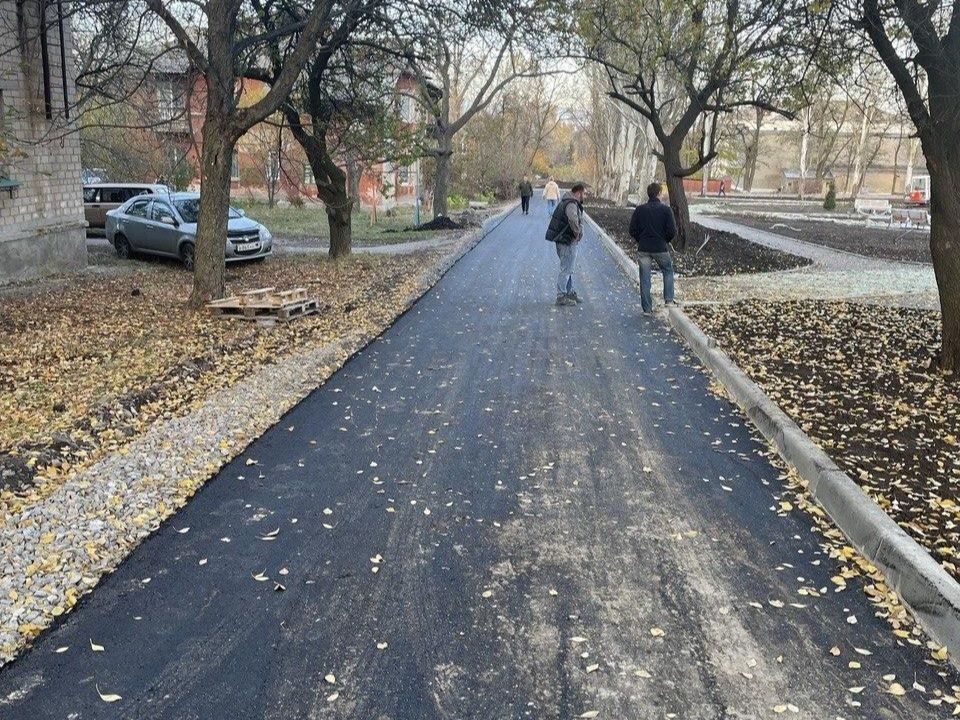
709	252
855	378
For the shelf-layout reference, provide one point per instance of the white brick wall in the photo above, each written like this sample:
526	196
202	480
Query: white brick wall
45	153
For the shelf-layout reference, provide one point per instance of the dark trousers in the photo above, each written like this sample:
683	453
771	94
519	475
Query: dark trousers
525	203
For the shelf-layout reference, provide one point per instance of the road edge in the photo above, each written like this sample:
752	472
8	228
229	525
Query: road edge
932	595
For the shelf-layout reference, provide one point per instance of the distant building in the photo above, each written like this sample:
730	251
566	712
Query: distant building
267	160
42	229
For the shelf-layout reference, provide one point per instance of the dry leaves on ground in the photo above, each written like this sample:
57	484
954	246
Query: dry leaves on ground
92	362
856	379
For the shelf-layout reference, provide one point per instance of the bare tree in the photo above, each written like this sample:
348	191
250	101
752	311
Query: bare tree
919	43
683	65
464	53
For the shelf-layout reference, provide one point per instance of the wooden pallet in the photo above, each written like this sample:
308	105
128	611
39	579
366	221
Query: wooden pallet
266	304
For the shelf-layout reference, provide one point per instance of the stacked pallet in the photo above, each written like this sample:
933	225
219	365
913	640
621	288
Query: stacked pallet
266	304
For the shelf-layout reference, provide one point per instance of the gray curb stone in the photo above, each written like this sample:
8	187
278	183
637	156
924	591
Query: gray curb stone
923	585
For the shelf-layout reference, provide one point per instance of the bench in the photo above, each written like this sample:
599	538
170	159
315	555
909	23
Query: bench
910	217
872	206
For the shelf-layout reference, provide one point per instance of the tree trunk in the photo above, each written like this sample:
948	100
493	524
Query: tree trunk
945	249
216	161
333	188
908	172
441	182
678	196
339	217
896	162
855	182
804	149
752	153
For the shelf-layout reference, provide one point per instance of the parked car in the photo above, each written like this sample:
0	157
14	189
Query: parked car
100	198
167	225
88	176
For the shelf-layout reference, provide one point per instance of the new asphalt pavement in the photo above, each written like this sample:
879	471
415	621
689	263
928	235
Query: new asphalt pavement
498	509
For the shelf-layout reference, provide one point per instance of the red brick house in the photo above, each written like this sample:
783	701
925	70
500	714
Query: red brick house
268	160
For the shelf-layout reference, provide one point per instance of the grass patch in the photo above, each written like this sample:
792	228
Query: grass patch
310	223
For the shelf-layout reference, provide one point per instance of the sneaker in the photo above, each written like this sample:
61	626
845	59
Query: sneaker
573	296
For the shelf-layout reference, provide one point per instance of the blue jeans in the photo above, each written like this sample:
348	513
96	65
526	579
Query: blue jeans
567	252
551	206
664	261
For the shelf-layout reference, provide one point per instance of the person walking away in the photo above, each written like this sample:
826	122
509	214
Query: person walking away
566	231
551	193
653	226
526	192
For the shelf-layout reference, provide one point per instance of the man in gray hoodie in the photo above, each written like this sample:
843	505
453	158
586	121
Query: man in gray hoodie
566	230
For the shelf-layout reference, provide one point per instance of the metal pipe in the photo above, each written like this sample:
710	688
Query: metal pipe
45	61
63	62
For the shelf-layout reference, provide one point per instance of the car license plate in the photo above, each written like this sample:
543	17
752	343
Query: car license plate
243	247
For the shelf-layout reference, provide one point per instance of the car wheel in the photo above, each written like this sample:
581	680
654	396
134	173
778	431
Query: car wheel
122	246
186	256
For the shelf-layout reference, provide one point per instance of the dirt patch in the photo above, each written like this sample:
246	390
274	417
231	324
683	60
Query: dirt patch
856	379
438	223
901	244
709	252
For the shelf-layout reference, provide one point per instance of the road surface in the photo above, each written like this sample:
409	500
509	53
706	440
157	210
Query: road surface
499	509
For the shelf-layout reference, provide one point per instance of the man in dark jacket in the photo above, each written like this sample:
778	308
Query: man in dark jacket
653	227
526	192
566	231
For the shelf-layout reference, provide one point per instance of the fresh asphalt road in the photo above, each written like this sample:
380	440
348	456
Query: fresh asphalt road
537	488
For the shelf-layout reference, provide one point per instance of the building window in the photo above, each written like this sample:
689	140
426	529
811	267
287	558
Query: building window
403	176
408	109
308	178
235	167
169	104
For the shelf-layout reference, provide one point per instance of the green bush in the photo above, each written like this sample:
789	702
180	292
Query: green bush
830	201
457	202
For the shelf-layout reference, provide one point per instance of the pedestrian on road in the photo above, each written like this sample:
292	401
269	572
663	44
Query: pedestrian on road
551	193
653	227
566	231
526	192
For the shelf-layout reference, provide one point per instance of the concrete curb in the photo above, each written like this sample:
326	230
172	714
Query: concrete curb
923	585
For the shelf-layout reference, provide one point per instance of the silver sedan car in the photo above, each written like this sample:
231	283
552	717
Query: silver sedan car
167	225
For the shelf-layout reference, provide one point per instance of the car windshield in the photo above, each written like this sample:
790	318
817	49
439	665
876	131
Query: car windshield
189	210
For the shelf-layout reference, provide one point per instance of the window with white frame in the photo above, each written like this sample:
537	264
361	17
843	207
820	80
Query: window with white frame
170	103
235	167
408	109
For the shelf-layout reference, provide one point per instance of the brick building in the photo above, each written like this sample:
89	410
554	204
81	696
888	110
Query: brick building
267	159
42	228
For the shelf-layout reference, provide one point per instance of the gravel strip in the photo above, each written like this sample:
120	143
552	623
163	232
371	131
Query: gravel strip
56	550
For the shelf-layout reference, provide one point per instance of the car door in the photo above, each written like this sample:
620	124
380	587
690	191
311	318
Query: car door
163	230
93	211
133	223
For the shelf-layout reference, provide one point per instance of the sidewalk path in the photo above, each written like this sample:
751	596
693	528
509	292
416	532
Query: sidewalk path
561	517
834	275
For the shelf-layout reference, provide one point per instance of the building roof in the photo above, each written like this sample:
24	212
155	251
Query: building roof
171	61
